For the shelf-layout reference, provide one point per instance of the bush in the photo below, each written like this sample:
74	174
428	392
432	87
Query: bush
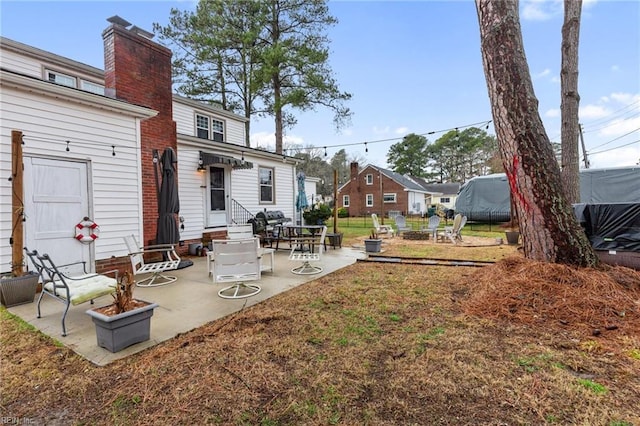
343	212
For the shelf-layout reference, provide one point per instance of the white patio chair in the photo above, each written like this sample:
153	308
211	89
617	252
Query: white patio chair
401	224
237	262
432	225
453	232
315	243
170	261
381	229
239	232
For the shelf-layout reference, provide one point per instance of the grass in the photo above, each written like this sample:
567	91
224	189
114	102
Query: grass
371	344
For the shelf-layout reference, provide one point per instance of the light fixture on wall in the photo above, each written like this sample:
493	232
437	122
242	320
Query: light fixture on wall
201	167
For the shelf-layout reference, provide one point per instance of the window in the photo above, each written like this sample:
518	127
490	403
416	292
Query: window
266	185
218	130
369	200
345	201
209	128
59	78
369	179
389	198
444	200
92	87
202	126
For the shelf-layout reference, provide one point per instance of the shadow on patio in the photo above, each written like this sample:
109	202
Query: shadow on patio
188	303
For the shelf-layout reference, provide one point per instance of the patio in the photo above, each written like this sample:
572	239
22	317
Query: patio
190	302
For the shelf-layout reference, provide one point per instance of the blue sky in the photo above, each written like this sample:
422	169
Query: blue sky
411	66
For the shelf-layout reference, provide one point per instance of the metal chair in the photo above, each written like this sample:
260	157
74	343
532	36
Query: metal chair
237	262
170	261
316	245
70	289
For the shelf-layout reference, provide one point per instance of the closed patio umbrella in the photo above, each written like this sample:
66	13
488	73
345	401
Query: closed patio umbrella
168	203
301	201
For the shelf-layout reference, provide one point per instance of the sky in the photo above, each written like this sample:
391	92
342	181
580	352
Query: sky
411	67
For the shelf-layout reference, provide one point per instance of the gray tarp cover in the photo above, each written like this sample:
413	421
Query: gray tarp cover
614	226
486	198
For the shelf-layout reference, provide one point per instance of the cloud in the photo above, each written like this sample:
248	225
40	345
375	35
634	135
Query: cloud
267	140
541	10
381	130
621	126
625	98
592	112
401	131
615	68
544	73
552	113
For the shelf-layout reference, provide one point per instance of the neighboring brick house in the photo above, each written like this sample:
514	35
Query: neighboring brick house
384	192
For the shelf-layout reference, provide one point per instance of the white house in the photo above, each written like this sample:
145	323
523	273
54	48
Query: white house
91	141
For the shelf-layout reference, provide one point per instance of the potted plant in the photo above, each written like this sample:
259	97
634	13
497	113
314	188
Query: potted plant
126	321
317	214
18	288
373	244
513	236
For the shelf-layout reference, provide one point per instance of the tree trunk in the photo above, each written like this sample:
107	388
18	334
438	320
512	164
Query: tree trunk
549	228
570	100
277	101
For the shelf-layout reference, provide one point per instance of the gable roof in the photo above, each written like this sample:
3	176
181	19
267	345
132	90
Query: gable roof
441	188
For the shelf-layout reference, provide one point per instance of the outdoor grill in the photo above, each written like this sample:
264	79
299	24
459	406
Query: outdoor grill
267	219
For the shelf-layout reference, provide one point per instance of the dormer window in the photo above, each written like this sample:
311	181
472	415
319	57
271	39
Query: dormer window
59	78
209	128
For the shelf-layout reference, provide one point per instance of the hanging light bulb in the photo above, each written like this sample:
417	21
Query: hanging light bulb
113	150
366	148
67	147
325	151
242	158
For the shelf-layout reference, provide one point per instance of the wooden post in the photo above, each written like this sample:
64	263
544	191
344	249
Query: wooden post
17	206
335	201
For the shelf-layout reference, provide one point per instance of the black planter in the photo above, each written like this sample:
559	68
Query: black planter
512	237
18	290
117	332
372	245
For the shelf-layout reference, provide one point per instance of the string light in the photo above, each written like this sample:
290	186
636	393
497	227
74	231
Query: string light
68	146
242	157
113	150
366	148
325	151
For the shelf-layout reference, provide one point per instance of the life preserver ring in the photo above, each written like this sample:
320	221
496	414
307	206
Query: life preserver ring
87	231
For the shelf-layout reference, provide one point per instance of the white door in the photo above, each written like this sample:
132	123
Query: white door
218	196
56	200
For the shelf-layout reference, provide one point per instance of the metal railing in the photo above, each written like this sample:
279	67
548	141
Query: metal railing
239	214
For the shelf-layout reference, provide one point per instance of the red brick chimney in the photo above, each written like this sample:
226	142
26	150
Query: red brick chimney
138	70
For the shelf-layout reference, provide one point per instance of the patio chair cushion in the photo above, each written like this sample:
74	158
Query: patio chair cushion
83	288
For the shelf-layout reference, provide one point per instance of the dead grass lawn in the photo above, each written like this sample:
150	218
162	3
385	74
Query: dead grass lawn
372	344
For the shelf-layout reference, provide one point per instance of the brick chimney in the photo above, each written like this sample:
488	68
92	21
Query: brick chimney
138	71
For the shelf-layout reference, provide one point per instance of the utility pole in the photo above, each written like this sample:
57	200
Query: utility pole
584	151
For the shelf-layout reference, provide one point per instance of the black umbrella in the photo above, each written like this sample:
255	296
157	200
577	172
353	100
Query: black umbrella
168	203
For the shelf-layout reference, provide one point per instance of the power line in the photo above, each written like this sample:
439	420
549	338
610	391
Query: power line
611	149
366	143
613	140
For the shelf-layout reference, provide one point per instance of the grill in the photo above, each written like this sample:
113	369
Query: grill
267	219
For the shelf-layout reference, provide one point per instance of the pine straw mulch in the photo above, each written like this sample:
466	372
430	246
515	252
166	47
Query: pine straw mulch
591	301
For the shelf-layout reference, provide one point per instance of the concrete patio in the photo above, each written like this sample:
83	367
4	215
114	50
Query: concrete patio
184	305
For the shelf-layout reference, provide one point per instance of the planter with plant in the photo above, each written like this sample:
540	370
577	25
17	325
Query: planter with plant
317	214
17	288
373	244
126	321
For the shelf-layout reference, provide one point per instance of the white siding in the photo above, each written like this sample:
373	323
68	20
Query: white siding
114	188
20	63
184	116
244	189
